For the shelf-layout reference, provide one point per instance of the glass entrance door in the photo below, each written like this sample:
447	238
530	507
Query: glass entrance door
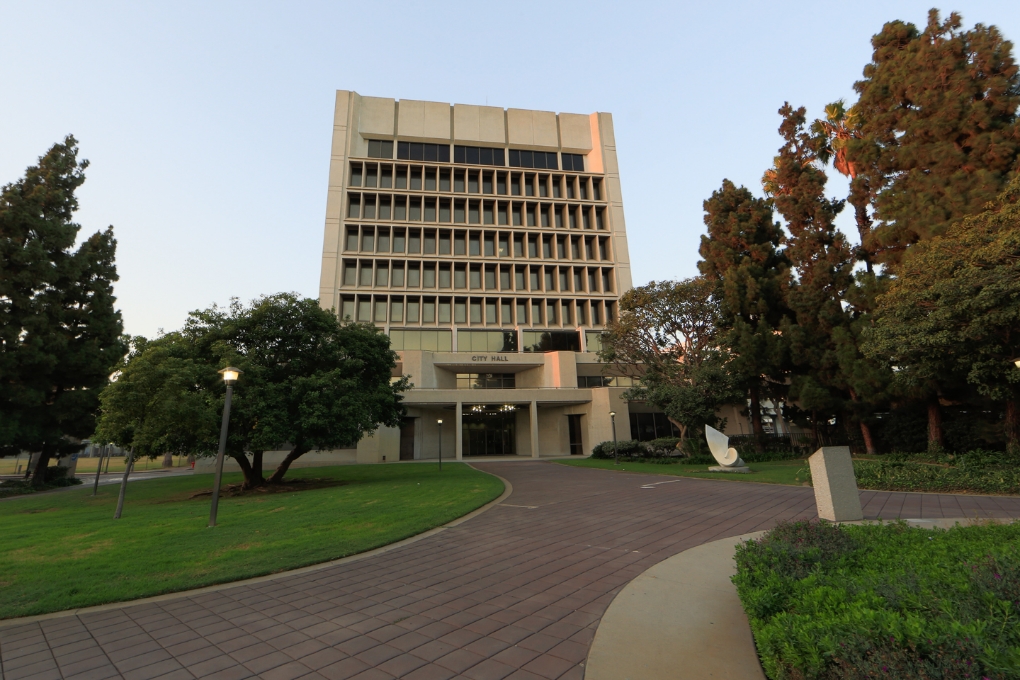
490	430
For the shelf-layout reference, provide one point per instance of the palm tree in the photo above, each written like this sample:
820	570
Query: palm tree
834	137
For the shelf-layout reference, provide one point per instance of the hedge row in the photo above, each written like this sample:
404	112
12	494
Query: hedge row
665	451
873	601
936	478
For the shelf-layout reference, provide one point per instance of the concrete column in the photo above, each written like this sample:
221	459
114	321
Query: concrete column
534	429
459	435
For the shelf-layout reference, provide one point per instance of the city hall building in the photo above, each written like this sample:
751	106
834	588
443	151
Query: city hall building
490	244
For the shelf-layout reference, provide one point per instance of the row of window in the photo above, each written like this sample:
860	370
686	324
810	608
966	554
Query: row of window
540	160
474	155
481	311
486	381
460	211
508	381
441	340
475	243
521	278
589	381
492	341
418	178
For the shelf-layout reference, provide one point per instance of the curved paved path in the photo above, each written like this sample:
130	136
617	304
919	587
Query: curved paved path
515	592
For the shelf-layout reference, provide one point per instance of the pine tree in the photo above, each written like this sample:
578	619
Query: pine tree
60	335
742	259
823	262
939	135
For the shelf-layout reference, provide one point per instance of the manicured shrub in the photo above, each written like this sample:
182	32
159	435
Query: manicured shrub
628	448
883	601
970	477
664	446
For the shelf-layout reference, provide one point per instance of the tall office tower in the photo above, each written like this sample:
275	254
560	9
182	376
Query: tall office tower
490	245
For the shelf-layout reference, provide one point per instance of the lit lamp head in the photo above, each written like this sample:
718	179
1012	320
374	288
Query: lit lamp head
1016	362
612	414
439	422
230	374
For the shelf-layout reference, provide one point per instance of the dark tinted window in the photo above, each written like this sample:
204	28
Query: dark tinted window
476	155
551	341
413	151
378	148
573	161
533	159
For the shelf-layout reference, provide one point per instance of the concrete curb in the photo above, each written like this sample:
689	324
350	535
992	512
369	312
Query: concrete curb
507	490
681	619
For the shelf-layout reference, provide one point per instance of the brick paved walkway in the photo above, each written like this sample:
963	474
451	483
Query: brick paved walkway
516	592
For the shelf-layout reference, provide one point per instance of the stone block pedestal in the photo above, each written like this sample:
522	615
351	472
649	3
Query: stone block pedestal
832	475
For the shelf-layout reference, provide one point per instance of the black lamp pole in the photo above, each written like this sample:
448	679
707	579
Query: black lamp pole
616	452
230	375
440	423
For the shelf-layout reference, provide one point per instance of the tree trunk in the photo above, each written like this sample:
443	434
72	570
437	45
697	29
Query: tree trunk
43	462
298	451
681	447
168	460
755	412
936	438
1013	427
256	464
869	442
251	479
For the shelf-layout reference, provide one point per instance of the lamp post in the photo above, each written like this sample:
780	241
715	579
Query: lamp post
230	375
616	453
440	423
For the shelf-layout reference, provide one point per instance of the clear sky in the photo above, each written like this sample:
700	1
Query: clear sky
208	123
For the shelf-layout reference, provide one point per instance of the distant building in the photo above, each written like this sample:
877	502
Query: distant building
491	246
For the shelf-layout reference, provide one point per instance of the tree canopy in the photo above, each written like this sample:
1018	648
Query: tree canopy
741	257
954	310
939	135
310	382
667	335
60	335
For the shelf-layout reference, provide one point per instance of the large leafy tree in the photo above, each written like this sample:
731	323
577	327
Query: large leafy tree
60	335
310	382
750	277
954	310
938	135
667	335
162	399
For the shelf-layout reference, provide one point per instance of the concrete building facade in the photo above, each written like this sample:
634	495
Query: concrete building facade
491	245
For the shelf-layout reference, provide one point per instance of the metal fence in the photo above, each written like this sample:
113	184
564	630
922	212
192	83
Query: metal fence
802	442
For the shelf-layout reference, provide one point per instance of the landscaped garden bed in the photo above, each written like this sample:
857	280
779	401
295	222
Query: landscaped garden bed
65	550
883	601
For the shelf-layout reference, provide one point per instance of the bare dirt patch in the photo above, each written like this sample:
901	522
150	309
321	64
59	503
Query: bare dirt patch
287	486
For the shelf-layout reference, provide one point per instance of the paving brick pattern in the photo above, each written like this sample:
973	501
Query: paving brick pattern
515	592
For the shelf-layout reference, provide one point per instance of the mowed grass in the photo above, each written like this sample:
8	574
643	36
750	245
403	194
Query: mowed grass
792	472
64	550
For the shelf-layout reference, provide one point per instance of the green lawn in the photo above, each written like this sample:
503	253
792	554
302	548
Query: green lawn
65	550
779	472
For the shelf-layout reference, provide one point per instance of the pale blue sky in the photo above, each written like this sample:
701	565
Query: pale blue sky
208	124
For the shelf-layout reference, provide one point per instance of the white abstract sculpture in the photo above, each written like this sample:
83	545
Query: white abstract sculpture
728	458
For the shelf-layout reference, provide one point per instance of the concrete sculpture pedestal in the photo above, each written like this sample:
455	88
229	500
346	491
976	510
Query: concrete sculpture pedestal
720	468
832	475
